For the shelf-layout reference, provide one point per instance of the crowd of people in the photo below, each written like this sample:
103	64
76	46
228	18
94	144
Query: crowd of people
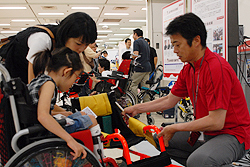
48	65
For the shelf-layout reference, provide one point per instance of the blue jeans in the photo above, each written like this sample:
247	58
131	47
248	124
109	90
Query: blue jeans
81	122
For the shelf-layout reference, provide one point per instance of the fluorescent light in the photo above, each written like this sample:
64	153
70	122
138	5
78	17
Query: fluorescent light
109	24
52	14
104	31
139	21
115	39
116	14
50	23
13	8
111	42
9	32
127	28
27	20
143	8
98	40
23	29
121	34
81	7
101	36
4	24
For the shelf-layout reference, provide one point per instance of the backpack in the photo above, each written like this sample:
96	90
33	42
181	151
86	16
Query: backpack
15	51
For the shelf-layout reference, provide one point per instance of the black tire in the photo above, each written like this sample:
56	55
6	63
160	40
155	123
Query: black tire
150	120
52	151
189	117
133	97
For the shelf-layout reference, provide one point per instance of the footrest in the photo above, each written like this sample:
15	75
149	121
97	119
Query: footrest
159	161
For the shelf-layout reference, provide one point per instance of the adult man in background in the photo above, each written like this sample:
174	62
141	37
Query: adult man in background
153	56
128	46
220	107
142	55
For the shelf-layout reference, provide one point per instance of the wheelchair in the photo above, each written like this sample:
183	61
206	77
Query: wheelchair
30	144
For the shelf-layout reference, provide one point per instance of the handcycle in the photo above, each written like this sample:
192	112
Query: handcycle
35	146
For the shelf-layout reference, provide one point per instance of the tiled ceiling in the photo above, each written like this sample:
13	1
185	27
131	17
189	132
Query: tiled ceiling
33	7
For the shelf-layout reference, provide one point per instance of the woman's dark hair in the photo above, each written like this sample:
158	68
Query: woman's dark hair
104	63
188	26
53	61
75	25
126	55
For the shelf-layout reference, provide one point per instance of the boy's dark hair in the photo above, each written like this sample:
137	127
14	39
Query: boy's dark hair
104	63
53	61
75	25
188	26
104	52
127	39
139	32
126	55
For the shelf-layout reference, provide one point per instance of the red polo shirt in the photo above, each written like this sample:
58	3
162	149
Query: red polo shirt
218	88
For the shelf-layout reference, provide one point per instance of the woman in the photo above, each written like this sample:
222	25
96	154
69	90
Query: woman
76	32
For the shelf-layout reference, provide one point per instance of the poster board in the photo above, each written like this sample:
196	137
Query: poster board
171	63
214	15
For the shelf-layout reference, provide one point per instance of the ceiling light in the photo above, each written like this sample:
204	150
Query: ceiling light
98	40
4	24
9	32
50	23
116	14
109	24
111	42
139	21
101	36
27	20
104	31
121	34
13	8
81	7
23	29
127	28
52	14
143	8
115	39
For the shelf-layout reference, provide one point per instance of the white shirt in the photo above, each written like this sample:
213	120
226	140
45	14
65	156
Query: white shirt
125	49
37	42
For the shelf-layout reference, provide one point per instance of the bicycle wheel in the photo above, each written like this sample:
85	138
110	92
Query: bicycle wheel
50	152
132	97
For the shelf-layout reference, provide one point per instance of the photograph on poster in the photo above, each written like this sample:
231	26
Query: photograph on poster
218	34
218	48
248	70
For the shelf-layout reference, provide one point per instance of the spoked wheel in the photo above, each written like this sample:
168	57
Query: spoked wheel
189	117
51	152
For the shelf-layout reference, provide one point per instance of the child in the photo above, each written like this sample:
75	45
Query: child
63	66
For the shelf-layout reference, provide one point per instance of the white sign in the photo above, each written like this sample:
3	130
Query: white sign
214	15
172	64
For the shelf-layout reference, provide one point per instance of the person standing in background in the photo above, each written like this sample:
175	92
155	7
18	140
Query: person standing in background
153	55
142	54
128	46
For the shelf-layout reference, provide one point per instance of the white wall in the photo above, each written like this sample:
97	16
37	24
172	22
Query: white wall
244	17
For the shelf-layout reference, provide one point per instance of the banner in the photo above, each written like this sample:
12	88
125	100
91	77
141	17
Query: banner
172	64
214	15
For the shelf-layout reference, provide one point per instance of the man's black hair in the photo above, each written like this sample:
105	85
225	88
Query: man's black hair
139	32
188	26
104	52
128	39
104	63
148	40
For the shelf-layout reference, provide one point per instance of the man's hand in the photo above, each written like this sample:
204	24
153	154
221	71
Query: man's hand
131	111
167	133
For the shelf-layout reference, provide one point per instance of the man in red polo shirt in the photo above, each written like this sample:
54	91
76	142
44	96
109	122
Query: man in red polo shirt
220	106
